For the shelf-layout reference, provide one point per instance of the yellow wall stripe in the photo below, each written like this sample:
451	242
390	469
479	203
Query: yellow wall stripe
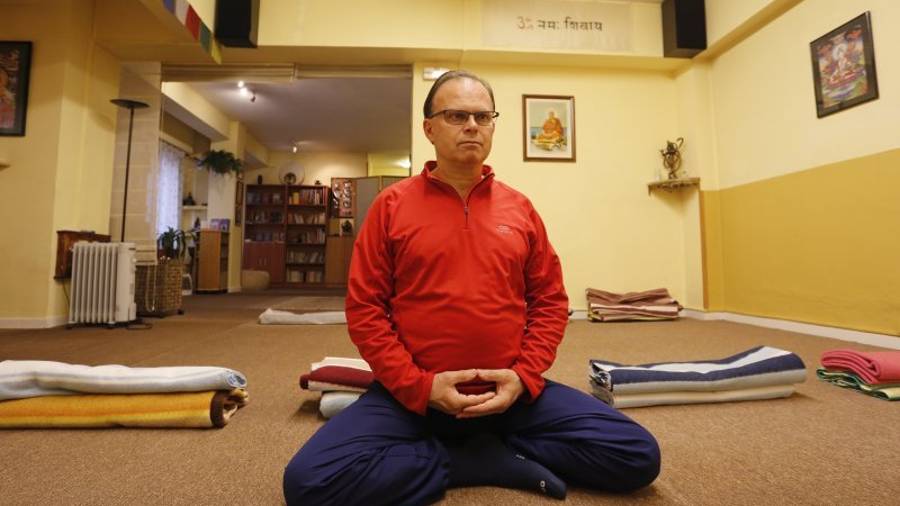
819	246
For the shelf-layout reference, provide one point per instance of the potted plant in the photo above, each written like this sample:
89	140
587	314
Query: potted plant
221	162
171	244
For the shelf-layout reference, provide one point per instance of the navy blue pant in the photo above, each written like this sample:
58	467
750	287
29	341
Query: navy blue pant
377	452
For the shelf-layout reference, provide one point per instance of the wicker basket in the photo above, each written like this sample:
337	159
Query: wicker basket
158	288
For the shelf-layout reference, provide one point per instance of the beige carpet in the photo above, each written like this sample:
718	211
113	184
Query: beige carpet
824	445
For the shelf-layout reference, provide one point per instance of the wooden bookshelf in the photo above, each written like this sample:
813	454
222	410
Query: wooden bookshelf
285	231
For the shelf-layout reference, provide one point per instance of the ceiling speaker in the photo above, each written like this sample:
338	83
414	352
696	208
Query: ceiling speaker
684	28
237	22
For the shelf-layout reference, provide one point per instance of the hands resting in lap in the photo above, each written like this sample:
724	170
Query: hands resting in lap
446	397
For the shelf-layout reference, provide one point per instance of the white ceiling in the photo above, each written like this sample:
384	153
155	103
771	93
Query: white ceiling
346	114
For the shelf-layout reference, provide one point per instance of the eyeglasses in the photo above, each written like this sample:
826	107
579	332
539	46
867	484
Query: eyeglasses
457	117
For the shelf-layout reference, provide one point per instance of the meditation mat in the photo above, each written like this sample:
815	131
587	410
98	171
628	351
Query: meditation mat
885	391
756	368
20	379
275	317
171	410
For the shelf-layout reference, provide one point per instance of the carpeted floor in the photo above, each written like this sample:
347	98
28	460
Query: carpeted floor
824	445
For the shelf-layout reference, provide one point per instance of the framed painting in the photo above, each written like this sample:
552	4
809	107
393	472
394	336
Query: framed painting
549	128
15	67
843	62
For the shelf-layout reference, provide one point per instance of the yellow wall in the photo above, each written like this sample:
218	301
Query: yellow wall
819	246
389	163
61	170
765	113
803	224
444	24
316	166
186	97
723	16
608	232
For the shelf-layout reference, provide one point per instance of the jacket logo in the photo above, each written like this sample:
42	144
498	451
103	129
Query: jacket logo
505	230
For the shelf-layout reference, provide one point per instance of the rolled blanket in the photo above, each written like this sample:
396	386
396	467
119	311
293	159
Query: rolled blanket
276	317
757	367
688	397
884	391
178	410
20	379
873	367
333	403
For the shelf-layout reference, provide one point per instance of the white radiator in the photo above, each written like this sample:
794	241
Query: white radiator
102	283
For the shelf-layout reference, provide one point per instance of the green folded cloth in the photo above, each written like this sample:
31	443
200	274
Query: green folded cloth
886	391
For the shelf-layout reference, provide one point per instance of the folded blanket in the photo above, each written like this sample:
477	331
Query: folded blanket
694	397
276	317
32	378
885	391
654	304
354	363
182	410
757	367
873	367
333	403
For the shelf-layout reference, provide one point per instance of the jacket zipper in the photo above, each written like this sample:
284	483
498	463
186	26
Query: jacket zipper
465	201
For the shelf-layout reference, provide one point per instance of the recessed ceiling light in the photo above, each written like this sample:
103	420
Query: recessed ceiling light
240	84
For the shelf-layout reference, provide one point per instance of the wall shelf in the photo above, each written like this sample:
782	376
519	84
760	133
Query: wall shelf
671	185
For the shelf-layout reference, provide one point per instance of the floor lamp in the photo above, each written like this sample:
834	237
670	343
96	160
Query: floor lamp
131	105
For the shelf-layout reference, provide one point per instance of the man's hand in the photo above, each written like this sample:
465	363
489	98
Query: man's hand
509	388
444	396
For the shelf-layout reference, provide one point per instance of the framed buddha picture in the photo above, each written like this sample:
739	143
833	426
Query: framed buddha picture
549	128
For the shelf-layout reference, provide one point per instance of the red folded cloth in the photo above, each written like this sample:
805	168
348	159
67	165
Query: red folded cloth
873	367
338	375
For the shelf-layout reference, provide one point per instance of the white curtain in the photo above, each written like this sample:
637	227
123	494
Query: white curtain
168	188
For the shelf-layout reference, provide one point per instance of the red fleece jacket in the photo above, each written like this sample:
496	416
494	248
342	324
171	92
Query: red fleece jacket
439	283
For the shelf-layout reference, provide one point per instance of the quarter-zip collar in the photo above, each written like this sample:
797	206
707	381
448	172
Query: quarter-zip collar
487	177
487	174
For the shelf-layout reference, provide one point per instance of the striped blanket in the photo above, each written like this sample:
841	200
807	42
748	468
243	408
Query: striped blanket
743	374
172	410
20	379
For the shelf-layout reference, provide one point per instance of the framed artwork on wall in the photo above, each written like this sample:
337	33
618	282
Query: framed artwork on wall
15	67
843	62
549	128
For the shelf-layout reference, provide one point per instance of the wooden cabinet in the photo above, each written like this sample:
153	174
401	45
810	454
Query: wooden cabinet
265	256
292	219
212	261
337	259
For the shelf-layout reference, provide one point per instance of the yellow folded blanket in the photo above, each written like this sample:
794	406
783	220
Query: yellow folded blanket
180	410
